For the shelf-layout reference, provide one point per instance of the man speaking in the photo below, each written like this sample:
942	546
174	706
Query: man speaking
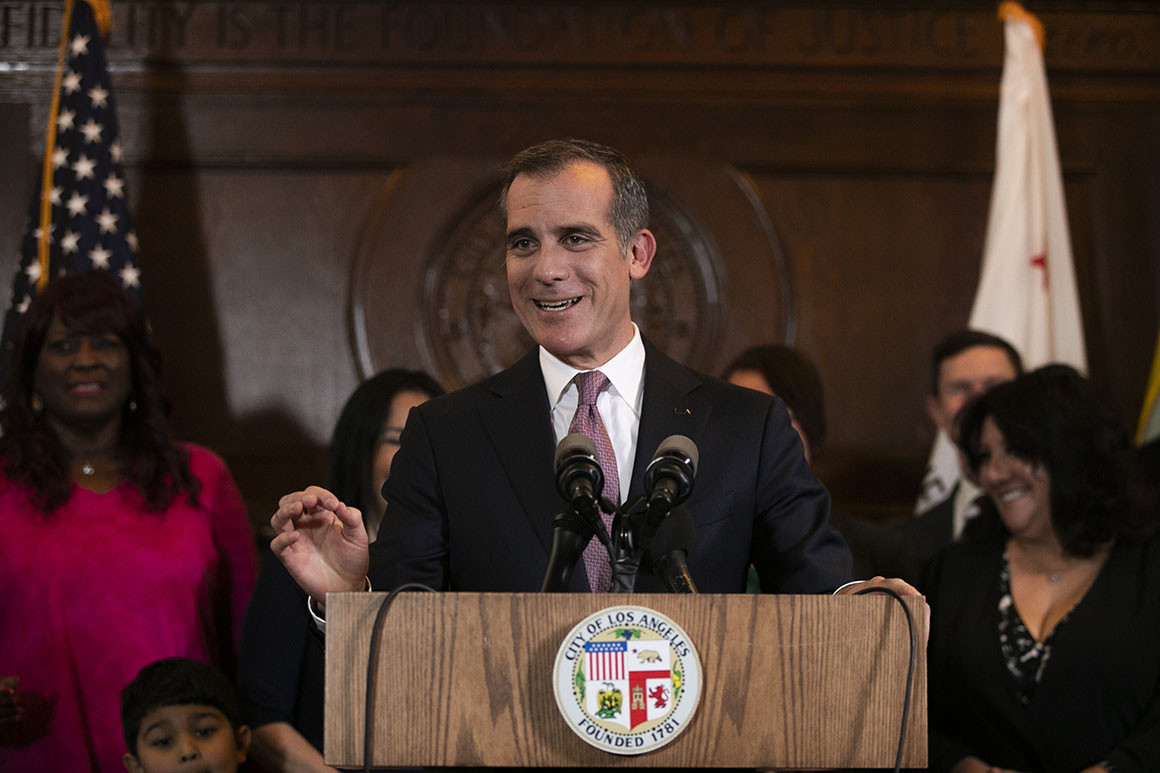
472	493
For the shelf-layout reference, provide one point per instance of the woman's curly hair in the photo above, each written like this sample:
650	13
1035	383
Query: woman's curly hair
1055	417
33	455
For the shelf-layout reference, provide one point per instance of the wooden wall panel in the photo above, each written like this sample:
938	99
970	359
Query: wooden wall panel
259	134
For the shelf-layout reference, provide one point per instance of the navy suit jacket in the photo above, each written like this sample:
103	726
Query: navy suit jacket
472	492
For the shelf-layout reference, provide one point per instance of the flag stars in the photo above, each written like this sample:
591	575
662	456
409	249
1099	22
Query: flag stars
114	186
131	238
131	275
84	167
79	45
64	121
71	82
92	131
69	242
99	97
76	204
23	305
32	271
100	257
59	158
107	221
54	195
115	151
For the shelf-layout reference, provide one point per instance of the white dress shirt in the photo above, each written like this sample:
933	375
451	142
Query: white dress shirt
619	405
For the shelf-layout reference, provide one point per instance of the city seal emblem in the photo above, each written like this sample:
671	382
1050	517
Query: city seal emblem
627	680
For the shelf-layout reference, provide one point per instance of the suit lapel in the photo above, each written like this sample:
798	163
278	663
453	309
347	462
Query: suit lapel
671	406
519	425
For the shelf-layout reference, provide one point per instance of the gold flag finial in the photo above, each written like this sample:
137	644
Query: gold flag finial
1009	9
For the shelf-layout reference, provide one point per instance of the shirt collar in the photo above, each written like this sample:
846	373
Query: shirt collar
625	371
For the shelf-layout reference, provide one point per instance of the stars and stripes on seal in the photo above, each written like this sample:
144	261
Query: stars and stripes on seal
606	660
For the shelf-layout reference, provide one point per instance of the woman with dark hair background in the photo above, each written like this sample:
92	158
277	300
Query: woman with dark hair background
280	678
783	372
1044	653
86	459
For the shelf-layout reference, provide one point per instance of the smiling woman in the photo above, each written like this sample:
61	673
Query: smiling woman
1044	651
121	545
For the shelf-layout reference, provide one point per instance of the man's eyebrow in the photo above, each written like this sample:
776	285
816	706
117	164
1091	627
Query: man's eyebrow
519	232
580	228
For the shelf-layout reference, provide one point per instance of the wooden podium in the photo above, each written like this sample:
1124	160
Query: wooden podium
465	679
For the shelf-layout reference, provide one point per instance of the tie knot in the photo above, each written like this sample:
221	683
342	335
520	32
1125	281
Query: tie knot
590	384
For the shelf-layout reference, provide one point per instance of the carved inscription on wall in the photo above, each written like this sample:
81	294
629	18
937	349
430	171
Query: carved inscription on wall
395	33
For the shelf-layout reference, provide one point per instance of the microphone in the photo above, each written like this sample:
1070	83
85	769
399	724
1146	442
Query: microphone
580	482
668	479
666	552
579	478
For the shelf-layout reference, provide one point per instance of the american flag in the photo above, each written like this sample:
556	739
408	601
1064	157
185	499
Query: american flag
80	214
606	660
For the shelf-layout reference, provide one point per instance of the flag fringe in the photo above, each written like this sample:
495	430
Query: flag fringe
1009	10
49	150
1151	395
103	14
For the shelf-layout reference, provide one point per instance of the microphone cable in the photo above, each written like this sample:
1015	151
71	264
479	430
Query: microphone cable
909	670
372	659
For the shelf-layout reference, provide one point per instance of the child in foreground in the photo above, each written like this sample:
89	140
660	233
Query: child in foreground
181	714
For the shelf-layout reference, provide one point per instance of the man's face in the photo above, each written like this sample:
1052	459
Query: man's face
568	278
965	376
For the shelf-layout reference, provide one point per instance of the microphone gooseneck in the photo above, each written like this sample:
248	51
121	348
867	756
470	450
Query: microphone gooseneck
666	553
580	481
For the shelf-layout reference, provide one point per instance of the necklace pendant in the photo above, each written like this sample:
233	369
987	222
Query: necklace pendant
88	469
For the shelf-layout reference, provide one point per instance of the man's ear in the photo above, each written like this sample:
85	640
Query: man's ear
640	253
131	764
243	737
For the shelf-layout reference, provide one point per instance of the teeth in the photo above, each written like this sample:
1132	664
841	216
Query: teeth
86	388
557	305
1012	495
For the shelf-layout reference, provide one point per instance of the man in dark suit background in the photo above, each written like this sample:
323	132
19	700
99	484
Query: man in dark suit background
472	494
964	365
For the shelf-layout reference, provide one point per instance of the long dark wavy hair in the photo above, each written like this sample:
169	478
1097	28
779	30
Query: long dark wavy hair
794	379
31	452
352	448
1055	417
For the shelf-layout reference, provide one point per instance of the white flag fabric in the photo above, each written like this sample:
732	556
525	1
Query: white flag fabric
1027	290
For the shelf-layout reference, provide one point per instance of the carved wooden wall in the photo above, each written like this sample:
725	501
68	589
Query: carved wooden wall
312	182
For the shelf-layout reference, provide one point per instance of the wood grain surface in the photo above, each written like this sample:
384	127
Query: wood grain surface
466	679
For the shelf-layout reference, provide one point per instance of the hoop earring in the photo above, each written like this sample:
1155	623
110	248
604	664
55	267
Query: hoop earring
36	403
132	406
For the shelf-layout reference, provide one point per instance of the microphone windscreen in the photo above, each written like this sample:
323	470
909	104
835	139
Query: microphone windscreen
576	442
679	445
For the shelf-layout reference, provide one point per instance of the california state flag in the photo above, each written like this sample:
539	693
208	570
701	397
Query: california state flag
1027	291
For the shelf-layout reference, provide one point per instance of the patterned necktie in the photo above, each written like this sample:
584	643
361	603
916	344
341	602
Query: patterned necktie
587	421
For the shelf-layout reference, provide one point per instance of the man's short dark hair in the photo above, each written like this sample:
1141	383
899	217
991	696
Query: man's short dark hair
175	682
628	210
959	342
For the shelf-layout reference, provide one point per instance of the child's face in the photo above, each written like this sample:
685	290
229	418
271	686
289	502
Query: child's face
188	738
